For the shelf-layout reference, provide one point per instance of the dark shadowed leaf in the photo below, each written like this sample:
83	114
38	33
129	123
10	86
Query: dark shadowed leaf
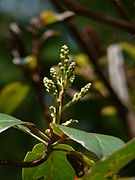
79	162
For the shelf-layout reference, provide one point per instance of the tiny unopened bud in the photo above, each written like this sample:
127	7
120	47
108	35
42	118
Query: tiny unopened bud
47	131
65	47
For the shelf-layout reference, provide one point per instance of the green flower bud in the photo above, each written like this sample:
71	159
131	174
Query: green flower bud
64	54
53	74
50	87
64	47
48	132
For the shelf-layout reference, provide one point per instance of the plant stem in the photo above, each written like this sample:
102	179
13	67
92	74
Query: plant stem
38	138
34	163
61	93
38	132
33	135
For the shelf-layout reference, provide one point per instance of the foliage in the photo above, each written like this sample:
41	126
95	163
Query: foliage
61	160
66	152
11	96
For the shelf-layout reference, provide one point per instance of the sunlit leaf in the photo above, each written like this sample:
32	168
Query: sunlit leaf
49	17
61	167
109	111
129	48
11	96
56	129
31	61
98	85
101	145
82	60
113	163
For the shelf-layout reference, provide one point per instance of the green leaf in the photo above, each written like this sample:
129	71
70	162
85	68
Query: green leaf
49	17
109	111
129	48
61	167
11	96
113	163
7	121
56	129
101	145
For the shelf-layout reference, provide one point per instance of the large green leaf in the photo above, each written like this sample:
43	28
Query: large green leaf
7	121
113	163
11	96
101	145
61	167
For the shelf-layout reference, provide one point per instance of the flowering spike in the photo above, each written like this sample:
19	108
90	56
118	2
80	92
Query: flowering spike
82	93
51	88
61	80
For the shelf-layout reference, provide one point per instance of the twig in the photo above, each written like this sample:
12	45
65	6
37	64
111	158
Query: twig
61	139
84	11
28	164
122	10
22	164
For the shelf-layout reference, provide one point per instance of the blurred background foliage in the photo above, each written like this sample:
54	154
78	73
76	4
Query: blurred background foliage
18	95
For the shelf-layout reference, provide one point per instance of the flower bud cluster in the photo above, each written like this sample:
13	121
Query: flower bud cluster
59	82
50	87
82	93
66	68
53	74
70	74
64	57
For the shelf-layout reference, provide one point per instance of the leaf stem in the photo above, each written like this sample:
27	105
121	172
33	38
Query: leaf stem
60	140
33	135
46	138
34	163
